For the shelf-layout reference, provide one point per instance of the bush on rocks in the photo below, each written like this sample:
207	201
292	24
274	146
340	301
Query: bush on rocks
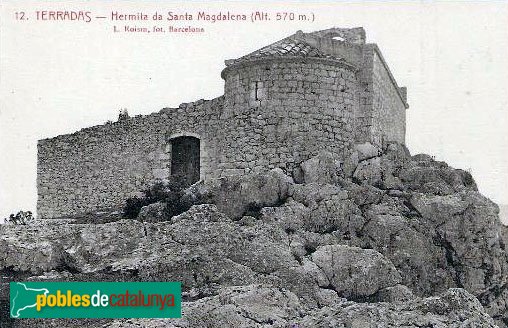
167	193
21	218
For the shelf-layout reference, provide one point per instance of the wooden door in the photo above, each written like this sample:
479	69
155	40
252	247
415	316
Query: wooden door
185	160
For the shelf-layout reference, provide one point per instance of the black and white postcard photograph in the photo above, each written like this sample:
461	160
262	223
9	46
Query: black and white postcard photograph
253	164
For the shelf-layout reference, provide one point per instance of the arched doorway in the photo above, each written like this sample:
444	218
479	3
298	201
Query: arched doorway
185	159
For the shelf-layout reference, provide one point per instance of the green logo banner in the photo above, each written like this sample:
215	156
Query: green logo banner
95	300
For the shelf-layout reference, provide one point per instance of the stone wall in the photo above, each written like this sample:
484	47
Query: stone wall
382	112
283	111
101	166
388	105
380	115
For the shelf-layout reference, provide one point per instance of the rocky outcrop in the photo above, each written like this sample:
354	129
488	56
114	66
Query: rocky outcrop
324	168
153	212
261	307
353	272
454	308
383	238
236	196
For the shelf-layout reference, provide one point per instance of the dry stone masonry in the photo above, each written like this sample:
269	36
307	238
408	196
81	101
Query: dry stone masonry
282	105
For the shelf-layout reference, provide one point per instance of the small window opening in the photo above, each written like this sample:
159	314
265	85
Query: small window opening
256	91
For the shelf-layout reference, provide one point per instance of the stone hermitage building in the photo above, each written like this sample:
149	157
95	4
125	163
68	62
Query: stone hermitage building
282	104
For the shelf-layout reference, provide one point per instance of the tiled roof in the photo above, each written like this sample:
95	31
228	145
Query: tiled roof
284	48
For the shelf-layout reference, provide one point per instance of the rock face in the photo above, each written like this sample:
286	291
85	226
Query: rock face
257	306
354	272
236	196
381	239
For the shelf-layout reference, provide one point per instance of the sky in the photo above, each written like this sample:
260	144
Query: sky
57	77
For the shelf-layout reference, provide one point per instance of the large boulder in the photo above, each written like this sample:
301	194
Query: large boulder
366	151
467	226
353	272
409	245
155	212
237	196
35	256
324	168
312	193
364	194
369	172
336	213
291	216
426	175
